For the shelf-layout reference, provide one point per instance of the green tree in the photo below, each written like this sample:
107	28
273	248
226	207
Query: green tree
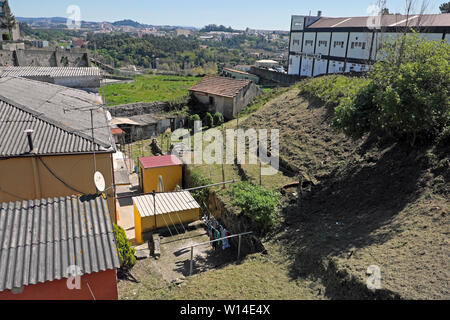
407	96
208	120
8	21
445	7
125	251
218	119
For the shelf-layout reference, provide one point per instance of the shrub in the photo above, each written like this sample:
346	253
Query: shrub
197	180
192	120
208	120
126	252
258	203
408	94
218	119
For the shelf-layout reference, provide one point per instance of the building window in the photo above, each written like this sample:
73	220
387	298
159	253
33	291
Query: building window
296	42
361	45
211	100
309	42
323	43
339	44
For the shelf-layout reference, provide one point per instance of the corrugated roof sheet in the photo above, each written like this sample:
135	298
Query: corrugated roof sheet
59	115
40	239
53	72
221	86
165	203
160	161
391	20
47	137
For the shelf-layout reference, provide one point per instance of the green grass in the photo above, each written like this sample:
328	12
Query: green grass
150	88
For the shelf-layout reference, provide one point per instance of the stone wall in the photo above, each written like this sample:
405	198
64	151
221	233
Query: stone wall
277	77
44	58
134	109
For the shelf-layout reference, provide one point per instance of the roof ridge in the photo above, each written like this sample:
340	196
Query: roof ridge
50	121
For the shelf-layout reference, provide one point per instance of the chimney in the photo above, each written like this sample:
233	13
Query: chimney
29	133
319	13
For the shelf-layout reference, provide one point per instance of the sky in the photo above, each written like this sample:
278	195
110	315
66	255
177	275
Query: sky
240	14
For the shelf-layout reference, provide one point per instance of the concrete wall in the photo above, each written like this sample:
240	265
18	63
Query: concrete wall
244	98
294	65
323	43
296	42
278	77
78	82
149	178
309	37
45	58
103	285
27	178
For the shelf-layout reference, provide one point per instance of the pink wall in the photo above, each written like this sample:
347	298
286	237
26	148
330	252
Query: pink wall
103	285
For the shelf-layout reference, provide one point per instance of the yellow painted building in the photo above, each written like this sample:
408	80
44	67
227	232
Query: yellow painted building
163	210
165	170
46	142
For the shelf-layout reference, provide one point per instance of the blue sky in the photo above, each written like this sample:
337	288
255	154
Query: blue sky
259	14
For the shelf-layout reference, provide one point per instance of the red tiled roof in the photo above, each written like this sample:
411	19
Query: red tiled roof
391	20
220	86
161	161
117	131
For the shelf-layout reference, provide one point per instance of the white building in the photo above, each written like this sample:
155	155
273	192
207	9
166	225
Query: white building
320	45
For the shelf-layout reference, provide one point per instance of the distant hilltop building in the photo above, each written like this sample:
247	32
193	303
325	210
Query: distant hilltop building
9	26
320	45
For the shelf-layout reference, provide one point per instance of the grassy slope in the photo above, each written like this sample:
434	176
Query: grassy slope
150	88
377	203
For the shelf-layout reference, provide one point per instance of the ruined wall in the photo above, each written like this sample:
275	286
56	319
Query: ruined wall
44	58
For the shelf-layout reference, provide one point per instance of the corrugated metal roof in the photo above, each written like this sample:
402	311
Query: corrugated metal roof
47	137
160	161
165	203
40	239
64	108
391	20
221	86
53	72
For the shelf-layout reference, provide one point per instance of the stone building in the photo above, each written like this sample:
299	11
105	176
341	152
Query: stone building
225	95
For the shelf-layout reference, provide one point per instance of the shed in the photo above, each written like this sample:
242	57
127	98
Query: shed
162	173
162	210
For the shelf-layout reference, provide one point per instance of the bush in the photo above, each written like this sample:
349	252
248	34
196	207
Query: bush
193	119
408	94
218	119
126	252
197	180
208	120
258	203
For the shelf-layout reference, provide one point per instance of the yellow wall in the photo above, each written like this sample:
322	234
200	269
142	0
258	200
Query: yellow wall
27	178
146	224
172	176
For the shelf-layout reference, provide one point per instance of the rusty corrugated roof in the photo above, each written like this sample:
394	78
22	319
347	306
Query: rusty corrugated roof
165	203
41	239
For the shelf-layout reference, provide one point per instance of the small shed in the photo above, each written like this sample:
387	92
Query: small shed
162	210
162	173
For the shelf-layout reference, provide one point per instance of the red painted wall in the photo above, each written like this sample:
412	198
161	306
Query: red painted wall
103	285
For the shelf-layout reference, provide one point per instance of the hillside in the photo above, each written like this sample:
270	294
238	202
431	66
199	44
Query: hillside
374	203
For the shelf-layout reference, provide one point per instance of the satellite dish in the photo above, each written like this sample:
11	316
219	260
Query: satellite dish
99	181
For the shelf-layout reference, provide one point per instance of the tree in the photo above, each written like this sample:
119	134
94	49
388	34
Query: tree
407	97
8	21
445	7
125	251
218	119
208	120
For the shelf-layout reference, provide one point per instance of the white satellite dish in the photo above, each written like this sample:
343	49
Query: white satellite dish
99	181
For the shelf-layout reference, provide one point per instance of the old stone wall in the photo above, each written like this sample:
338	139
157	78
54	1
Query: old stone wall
44	58
277	77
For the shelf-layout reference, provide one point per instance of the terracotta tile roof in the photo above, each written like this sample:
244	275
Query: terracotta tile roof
392	20
161	161
220	86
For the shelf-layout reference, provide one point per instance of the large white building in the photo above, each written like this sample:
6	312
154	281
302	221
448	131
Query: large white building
320	45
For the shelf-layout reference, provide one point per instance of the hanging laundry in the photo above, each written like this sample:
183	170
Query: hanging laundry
217	236
226	243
